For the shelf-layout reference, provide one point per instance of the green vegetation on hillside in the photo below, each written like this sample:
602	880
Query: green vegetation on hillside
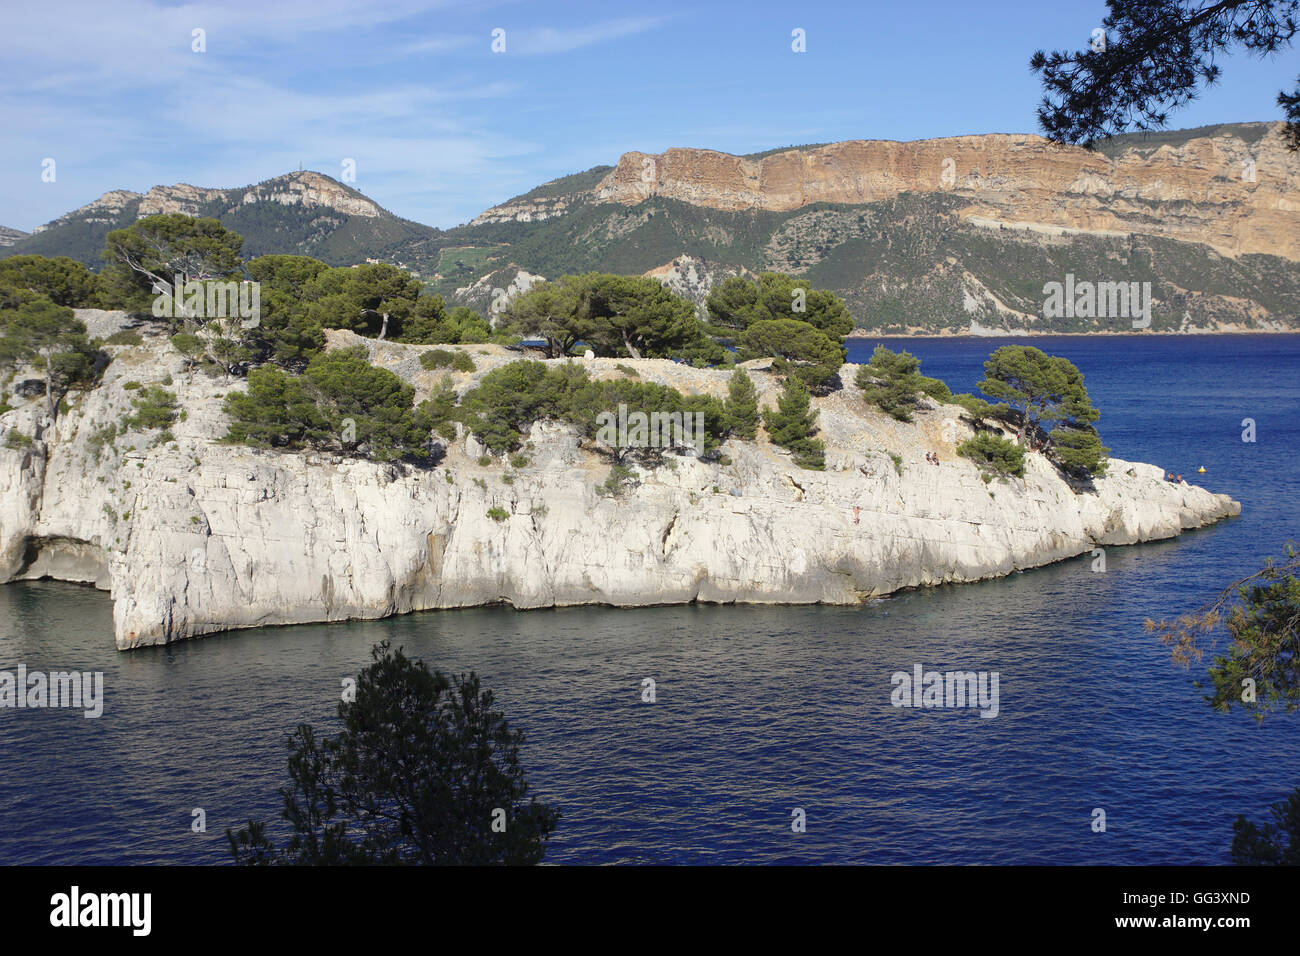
893	382
613	315
994	455
62	280
35	331
340	403
509	399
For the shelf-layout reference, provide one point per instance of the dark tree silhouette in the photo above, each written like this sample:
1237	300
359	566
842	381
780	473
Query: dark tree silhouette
1276	843
423	772
1154	57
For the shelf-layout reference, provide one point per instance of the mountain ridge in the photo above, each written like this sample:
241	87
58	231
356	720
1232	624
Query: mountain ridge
316	212
947	235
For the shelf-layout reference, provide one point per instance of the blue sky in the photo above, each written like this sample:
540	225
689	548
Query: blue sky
441	127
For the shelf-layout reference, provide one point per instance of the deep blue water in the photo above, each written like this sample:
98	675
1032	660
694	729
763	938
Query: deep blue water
759	709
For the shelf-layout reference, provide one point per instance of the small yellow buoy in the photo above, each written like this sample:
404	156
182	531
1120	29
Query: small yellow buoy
1201	470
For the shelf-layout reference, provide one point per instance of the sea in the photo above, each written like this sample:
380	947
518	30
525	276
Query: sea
772	737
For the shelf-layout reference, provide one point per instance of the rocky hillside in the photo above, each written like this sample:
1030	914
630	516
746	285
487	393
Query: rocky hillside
303	212
9	236
947	235
1192	190
940	236
194	536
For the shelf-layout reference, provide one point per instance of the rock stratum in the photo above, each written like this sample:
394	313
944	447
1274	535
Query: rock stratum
193	536
945	236
1229	193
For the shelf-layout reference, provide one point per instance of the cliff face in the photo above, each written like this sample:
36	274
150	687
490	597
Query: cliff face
1234	196
194	537
948	236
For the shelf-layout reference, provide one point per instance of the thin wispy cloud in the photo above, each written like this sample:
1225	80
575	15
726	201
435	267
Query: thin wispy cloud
440	44
545	41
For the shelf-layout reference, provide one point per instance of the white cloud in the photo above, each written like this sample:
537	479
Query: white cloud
551	40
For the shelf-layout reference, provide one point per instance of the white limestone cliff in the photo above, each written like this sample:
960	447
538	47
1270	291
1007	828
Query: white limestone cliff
194	536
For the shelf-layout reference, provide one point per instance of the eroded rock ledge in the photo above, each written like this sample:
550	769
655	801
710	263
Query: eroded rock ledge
195	537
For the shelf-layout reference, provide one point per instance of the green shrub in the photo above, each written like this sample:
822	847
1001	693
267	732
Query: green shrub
446	358
442	409
627	370
510	398
1078	451
799	350
189	345
497	513
979	409
994	454
16	439
101	437
155	407
520	461
893	382
131	386
340	403
124	337
619	479
793	423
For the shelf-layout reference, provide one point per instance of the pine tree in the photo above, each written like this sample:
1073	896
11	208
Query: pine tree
742	406
424	772
793	423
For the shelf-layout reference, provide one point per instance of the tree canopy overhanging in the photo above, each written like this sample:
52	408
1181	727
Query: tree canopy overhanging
1150	57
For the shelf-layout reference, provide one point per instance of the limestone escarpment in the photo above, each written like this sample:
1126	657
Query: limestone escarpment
195	536
1235	196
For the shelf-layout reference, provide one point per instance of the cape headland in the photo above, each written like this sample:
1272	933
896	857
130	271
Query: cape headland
193	535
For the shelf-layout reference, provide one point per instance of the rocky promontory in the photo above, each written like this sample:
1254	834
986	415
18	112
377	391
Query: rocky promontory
193	536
